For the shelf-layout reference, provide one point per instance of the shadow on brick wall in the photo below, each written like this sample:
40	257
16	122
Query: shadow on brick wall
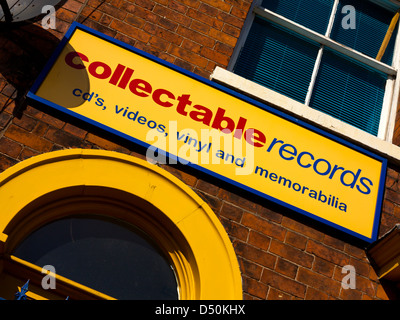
24	50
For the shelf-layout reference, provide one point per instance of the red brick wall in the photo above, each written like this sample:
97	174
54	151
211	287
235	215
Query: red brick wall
281	255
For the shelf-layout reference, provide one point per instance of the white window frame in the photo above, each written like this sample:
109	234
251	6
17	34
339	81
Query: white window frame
389	105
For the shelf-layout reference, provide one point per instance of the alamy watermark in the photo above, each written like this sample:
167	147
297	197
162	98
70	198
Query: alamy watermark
211	146
49	280
49	20
349	280
349	20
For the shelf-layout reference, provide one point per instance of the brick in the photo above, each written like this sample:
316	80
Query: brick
254	254
233	31
78	132
188	56
286	268
130	30
237	200
323	267
6	162
269	213
241	14
381	293
215	56
350	294
141	12
200	27
391	183
20	135
387	223
219	4
250	269
296	240
126	39
372	274
176	6
259	240
392	172
334	242
282	283
191	46
274	294
392	196
255	288
191	3
362	267
301	228
116	3
168	24
365	285
149	5
69	16
263	226
159	43
112	11
50	120
135	21
172	15
4	119
209	10
40	129
208	187
105	144
319	282
72	5
231	212
230	19
10	147
205	18
99	27
162	33
27	153
222	37
25	122
224	49
291	253
95	3
65	139
327	253
314	294
235	230
389	207
196	37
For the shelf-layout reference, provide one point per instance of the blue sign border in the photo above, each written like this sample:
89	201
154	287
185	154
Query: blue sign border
36	99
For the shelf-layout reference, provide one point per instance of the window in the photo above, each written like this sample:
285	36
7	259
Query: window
323	53
103	219
106	255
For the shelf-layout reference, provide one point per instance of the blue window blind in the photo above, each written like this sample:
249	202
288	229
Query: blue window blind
344	88
349	91
313	14
277	59
371	24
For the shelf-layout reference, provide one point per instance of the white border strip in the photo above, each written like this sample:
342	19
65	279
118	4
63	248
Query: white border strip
317	118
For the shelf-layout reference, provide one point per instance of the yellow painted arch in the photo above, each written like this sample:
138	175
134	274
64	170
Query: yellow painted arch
205	261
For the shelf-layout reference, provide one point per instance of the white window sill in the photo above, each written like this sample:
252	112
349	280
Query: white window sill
307	114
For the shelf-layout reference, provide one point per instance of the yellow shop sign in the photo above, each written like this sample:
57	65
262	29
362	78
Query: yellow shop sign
183	118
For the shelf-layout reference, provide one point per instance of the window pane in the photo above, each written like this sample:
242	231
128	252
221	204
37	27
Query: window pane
313	14
371	25
277	59
349	92
115	259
